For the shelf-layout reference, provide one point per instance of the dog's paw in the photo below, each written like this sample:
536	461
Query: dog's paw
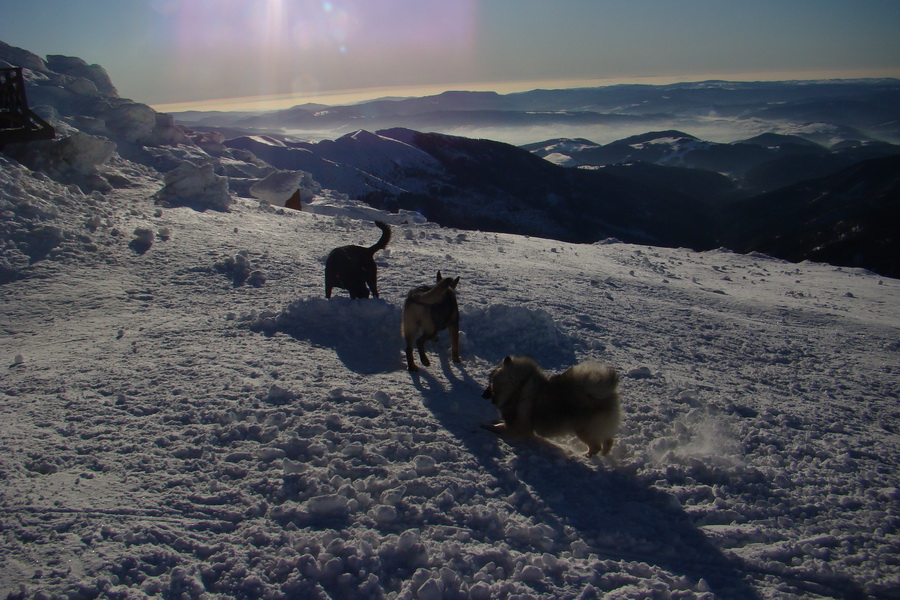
498	427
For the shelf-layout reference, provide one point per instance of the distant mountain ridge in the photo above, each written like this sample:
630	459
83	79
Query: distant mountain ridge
863	109
759	164
483	184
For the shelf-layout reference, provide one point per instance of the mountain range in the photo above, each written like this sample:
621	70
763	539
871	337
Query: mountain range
822	110
817	180
658	185
665	188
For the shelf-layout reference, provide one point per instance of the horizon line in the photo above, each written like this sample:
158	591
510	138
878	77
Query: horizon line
272	102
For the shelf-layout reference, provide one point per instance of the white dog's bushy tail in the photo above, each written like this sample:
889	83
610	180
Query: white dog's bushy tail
599	382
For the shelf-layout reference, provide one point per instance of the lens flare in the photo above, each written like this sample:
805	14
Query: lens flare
234	48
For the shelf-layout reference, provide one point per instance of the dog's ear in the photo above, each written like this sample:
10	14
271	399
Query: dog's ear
439	277
455	283
507	360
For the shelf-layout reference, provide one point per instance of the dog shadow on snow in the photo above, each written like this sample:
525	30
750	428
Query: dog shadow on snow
365	334
617	516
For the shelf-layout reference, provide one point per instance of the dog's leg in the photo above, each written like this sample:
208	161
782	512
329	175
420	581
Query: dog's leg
454	341
420	344
606	447
597	446
358	289
594	443
372	280
410	361
504	429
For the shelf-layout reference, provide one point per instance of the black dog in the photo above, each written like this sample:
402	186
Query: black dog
353	267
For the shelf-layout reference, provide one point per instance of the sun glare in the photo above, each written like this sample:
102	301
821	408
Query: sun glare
277	48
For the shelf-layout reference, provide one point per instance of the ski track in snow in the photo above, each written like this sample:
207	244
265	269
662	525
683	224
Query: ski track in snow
169	432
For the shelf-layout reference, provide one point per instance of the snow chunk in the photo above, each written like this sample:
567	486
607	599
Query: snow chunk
277	187
240	269
640	373
83	153
74	158
424	464
430	590
143	239
328	506
383	514
278	395
531	574
196	186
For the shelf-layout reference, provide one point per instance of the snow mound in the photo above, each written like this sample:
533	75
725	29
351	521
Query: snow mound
80	69
277	187
500	330
197	186
74	157
342	208
42	219
240	269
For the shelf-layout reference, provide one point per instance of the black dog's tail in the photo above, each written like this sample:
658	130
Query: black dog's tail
385	237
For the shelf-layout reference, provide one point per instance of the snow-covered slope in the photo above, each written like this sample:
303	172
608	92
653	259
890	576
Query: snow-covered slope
169	428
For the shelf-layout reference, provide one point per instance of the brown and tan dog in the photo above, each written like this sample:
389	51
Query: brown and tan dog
430	309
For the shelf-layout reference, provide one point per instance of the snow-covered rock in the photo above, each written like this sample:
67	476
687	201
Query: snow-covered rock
79	69
277	187
196	186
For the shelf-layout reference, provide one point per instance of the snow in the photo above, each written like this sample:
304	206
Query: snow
183	414
169	430
560	159
195	185
277	187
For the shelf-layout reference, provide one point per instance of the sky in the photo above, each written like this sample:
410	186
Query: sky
256	54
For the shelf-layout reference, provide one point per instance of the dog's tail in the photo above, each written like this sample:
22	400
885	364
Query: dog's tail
385	237
598	382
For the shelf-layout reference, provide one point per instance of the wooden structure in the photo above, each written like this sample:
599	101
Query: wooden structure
17	122
294	202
